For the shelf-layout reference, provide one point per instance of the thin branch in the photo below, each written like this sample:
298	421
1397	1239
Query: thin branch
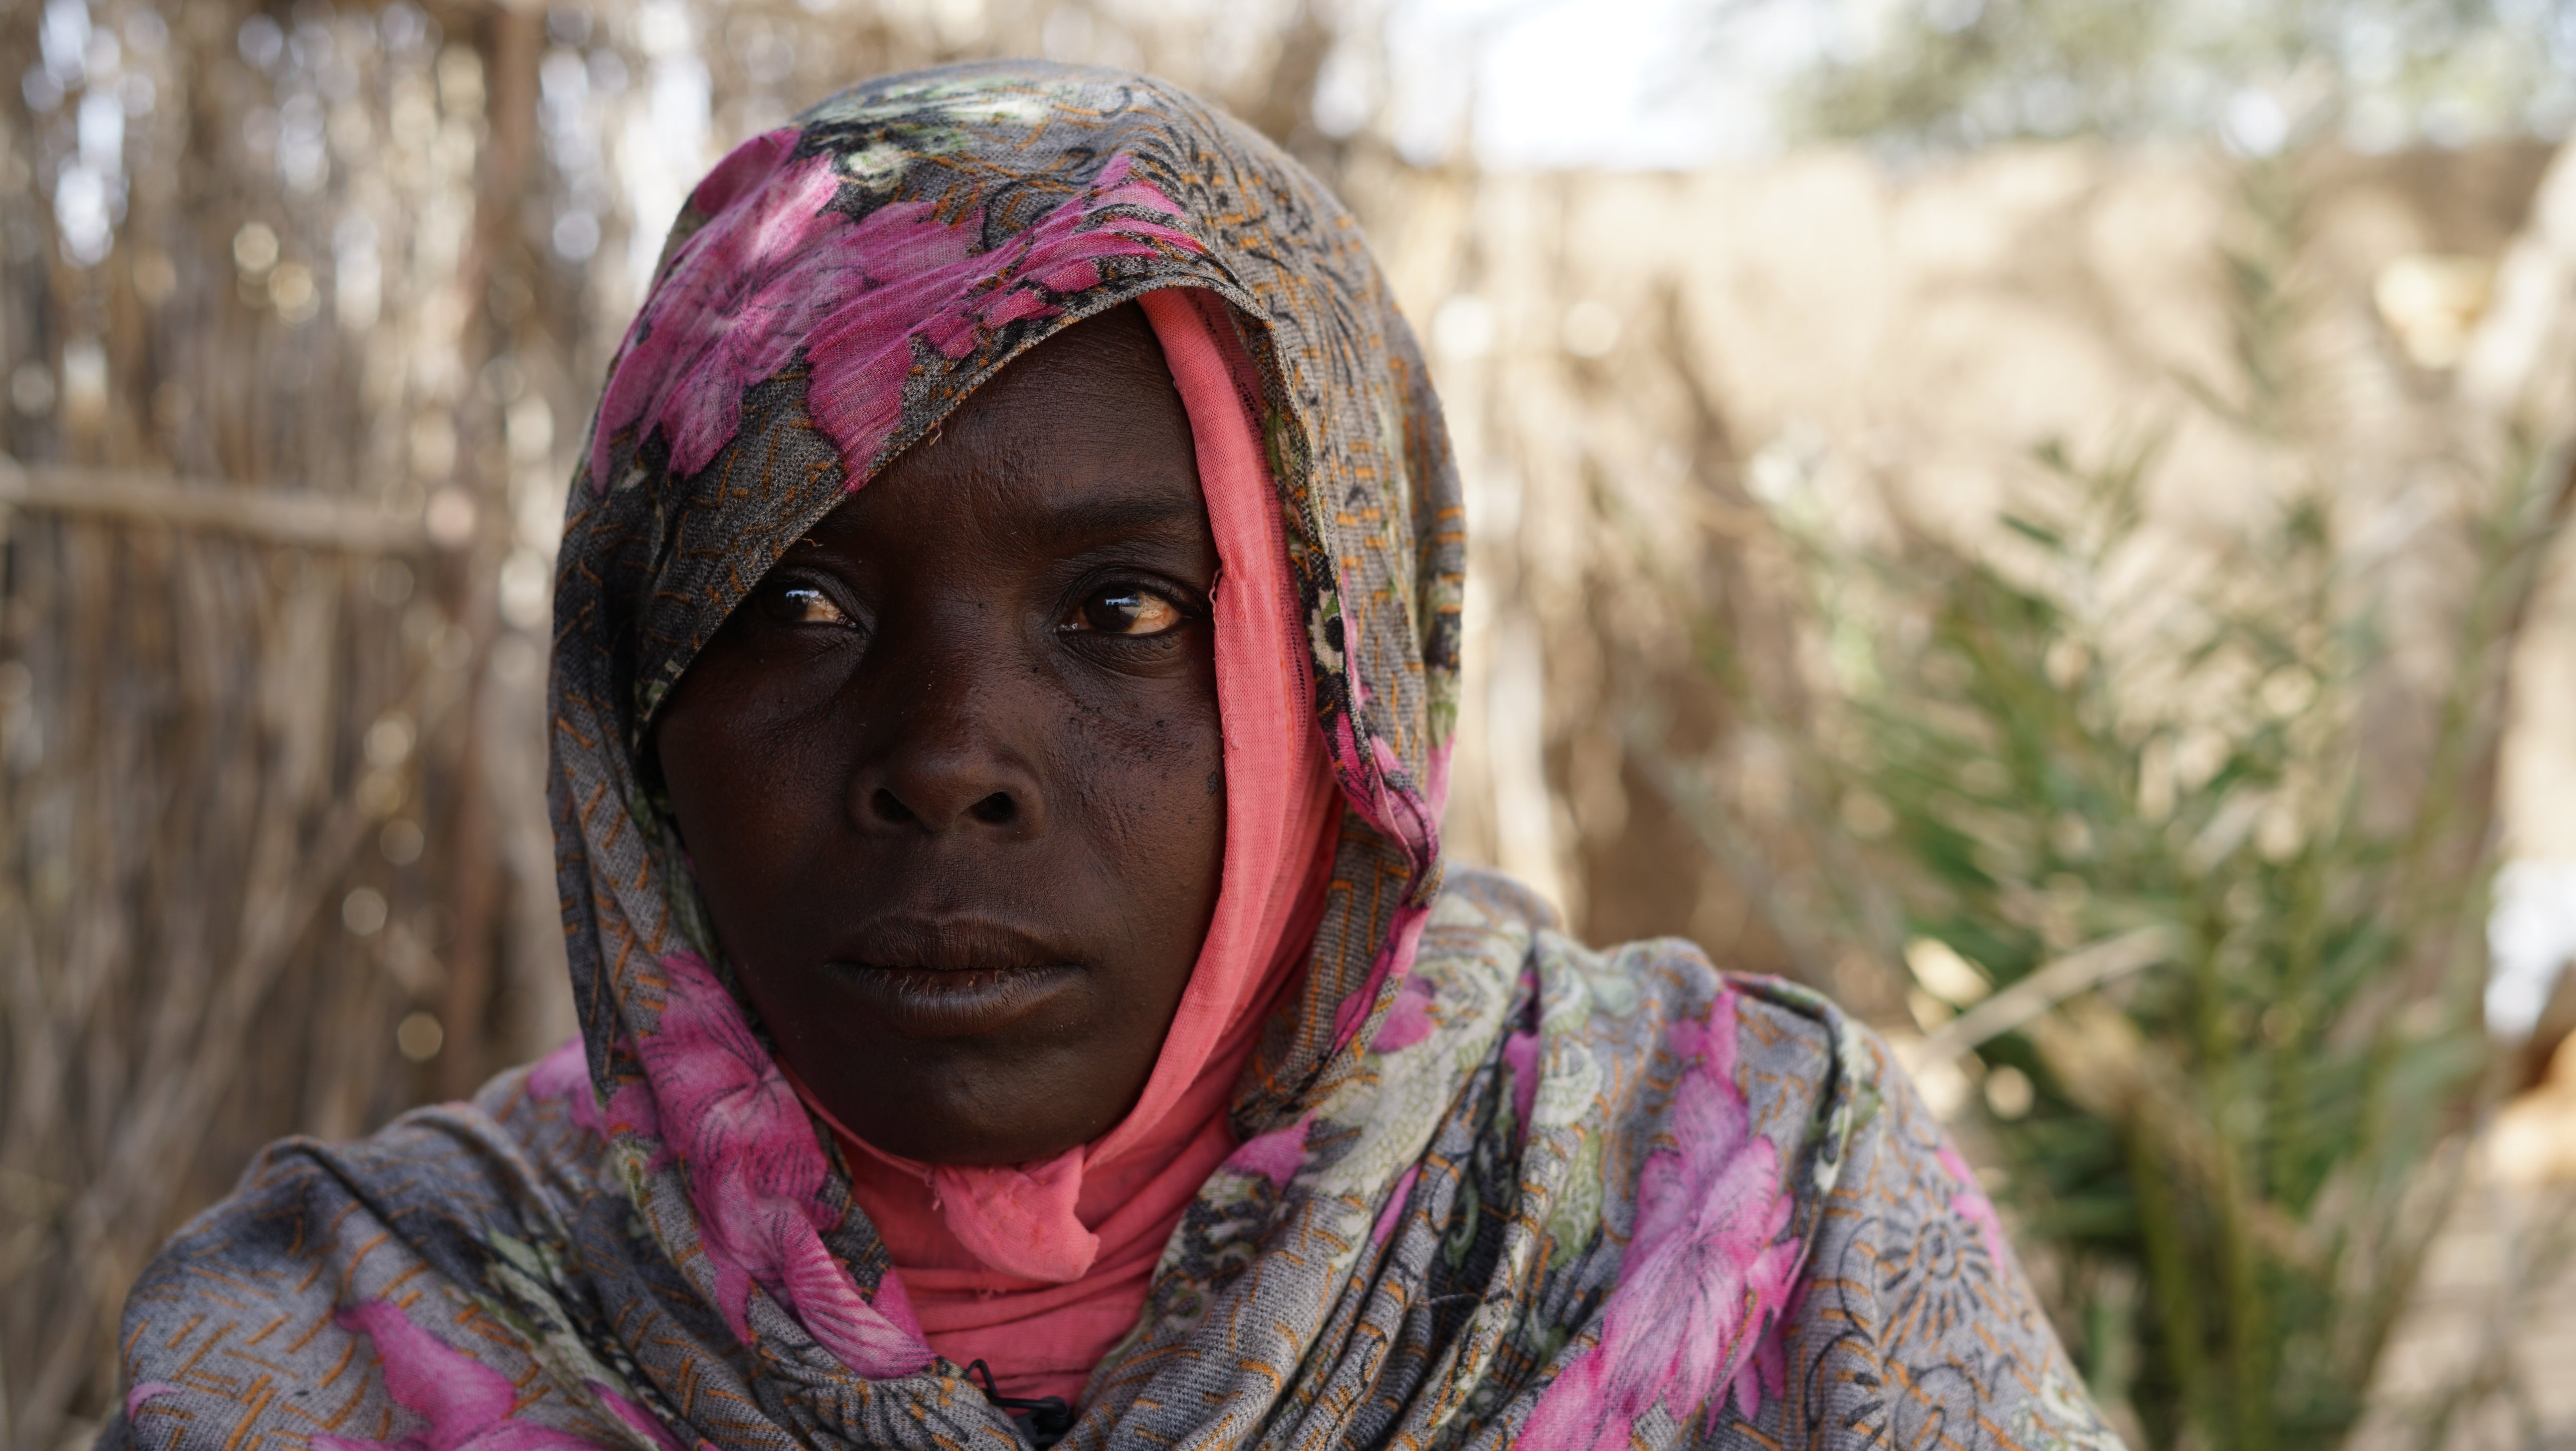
266	515
2083	970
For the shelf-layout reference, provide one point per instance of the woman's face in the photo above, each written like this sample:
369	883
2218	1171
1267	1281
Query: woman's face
950	779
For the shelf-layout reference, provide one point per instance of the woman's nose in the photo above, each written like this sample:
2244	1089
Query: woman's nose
930	799
952	758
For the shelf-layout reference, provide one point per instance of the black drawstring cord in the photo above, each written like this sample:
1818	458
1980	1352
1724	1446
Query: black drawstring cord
1049	1417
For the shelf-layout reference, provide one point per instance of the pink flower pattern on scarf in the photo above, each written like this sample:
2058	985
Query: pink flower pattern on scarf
756	1173
742	292
1972	1205
468	1405
1274	1156
564	1075
776	266
1708	1273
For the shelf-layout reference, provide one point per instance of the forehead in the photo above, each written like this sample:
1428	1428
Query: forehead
1101	381
1084	435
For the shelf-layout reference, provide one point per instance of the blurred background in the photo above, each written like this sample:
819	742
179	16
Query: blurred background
2036	517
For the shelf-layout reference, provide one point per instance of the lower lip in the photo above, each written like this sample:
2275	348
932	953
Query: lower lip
927	1003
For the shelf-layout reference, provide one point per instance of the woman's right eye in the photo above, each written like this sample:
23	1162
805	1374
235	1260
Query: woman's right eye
800	604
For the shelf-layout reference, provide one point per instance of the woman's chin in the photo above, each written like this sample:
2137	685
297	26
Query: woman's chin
966	1140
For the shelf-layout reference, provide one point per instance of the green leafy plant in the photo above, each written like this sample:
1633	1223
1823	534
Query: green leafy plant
2047	760
2186	846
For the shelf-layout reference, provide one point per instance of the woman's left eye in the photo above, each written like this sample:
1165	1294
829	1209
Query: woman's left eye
800	604
1124	610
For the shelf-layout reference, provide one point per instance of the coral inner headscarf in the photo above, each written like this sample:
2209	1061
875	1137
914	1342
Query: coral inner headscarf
1038	1269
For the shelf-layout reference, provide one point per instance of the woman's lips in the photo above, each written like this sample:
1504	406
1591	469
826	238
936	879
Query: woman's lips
932	977
941	1002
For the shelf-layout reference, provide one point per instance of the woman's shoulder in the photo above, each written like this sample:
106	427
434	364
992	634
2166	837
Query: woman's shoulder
274	1283
306	1201
1488	924
1609	1029
1754	1112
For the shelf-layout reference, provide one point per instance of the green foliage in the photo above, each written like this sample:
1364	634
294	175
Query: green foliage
2081	728
2246	1139
1951	73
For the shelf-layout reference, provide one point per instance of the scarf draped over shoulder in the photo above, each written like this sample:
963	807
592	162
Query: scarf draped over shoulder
1488	1186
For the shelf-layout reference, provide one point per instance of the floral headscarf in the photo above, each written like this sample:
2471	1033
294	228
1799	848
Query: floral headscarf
1490	1186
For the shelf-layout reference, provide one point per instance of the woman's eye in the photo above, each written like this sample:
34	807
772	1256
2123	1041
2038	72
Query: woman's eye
1122	610
800	604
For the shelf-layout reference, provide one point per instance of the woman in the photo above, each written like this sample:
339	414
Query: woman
1008	634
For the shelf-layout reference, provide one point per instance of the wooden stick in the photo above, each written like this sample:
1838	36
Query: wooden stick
2079	971
270	516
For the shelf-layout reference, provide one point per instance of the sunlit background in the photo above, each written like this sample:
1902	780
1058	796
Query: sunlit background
2036	517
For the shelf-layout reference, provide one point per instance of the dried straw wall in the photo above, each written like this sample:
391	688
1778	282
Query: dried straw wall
301	310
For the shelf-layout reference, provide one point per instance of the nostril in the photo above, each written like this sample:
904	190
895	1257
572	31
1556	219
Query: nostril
889	808
997	809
